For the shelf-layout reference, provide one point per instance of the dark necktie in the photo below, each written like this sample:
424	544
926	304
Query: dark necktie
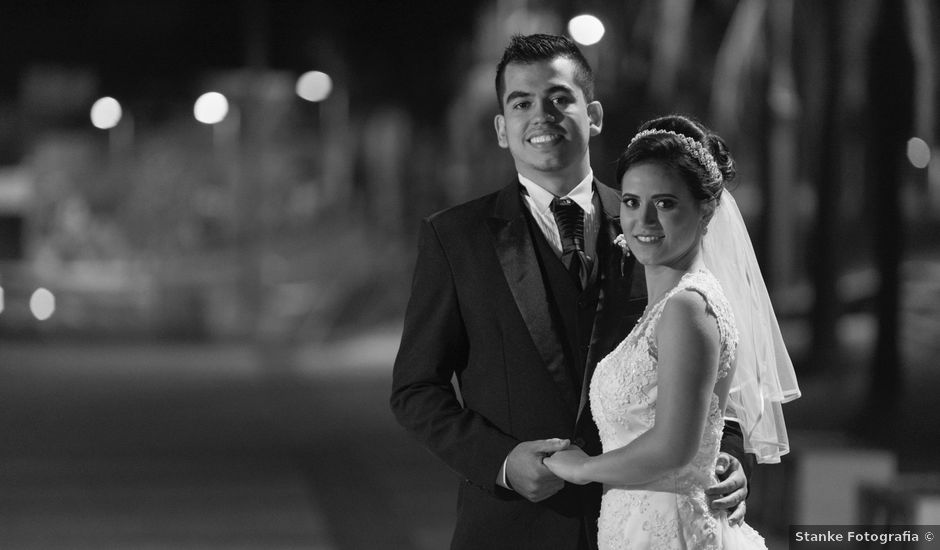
570	220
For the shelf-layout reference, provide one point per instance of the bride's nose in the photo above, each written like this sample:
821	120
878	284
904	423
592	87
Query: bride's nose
650	215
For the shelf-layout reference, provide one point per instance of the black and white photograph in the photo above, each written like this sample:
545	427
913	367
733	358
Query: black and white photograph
481	275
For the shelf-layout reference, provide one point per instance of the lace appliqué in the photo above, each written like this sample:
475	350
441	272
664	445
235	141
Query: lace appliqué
672	512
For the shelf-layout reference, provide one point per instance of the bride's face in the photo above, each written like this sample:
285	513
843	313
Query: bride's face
661	220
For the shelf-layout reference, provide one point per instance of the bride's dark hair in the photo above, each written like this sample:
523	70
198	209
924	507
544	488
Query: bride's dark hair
669	150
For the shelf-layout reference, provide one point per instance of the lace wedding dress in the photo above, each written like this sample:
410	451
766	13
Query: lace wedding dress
671	512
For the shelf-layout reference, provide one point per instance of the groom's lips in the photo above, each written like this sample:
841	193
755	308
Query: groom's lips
544	138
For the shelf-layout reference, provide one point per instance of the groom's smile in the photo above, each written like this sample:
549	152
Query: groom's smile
541	140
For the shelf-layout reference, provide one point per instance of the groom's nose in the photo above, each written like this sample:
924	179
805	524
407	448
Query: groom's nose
547	111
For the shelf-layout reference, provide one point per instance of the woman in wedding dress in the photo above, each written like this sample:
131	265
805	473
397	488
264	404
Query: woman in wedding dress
706	348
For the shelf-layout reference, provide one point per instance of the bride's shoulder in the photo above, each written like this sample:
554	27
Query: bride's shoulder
687	332
687	313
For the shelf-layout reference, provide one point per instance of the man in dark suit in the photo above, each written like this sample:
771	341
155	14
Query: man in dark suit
519	294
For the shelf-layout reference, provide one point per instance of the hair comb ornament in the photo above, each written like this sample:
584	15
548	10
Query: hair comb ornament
691	146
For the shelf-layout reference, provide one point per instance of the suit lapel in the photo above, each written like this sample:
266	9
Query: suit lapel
622	290
517	257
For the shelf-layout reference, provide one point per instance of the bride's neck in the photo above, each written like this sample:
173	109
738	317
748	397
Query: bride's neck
661	279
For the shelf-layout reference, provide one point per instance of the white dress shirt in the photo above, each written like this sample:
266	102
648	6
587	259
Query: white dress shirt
539	202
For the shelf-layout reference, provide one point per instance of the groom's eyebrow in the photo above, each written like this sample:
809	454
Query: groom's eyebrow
560	88
516	94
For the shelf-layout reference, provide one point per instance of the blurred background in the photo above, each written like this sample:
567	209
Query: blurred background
208	214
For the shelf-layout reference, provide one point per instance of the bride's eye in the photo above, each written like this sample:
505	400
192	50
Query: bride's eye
665	204
630	202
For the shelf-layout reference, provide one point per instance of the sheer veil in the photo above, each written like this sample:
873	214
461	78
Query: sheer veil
764	378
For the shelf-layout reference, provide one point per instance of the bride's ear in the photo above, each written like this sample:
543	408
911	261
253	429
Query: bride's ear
708	211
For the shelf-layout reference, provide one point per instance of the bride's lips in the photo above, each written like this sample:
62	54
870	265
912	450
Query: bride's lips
649	239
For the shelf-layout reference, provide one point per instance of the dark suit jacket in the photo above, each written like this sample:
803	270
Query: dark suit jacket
480	310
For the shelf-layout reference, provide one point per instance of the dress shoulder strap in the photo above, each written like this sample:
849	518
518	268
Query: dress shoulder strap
705	284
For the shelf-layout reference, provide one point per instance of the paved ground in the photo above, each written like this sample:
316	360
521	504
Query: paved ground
208	447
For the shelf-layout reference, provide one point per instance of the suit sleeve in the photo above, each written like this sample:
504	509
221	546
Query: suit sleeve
732	442
434	346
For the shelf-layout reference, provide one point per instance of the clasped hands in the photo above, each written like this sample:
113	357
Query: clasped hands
538	469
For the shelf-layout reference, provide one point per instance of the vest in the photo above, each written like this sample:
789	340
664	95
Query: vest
572	309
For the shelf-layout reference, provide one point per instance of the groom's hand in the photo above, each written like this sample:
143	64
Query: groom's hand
526	473
731	490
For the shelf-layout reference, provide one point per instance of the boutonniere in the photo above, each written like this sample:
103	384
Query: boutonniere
621	241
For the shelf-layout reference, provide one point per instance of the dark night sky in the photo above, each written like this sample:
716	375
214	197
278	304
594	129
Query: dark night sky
395	50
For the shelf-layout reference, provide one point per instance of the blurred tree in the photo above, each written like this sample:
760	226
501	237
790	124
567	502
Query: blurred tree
826	253
779	157
890	89
760	37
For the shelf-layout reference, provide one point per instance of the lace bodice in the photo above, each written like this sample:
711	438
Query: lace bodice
670	512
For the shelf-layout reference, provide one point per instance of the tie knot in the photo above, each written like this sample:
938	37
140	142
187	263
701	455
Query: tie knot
570	220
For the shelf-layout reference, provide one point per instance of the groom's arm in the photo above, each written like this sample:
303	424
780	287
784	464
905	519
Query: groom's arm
730	493
732	442
434	346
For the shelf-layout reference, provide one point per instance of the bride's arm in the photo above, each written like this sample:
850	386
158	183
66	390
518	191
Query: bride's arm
687	340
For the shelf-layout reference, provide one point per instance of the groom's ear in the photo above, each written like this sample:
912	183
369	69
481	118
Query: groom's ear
595	112
500	123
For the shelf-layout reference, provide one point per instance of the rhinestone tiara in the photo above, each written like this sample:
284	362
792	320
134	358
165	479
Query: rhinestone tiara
691	146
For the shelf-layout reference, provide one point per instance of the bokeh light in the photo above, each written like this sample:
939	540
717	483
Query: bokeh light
42	304
211	108
918	152
314	86
1	299
586	29
106	113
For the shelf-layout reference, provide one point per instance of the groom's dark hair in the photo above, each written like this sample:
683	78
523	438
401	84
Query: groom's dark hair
544	47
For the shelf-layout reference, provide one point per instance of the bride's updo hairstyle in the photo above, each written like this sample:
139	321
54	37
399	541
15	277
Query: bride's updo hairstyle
680	142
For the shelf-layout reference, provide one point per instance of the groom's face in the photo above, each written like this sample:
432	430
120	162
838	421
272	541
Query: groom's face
546	122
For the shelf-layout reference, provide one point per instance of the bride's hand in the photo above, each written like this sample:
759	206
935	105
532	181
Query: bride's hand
568	464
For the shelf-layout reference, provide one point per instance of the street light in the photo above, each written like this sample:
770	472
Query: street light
586	29
918	152
211	108
106	113
314	86
42	304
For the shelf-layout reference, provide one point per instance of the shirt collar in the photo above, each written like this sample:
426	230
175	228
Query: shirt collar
583	193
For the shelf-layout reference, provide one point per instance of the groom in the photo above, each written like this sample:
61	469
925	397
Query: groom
519	294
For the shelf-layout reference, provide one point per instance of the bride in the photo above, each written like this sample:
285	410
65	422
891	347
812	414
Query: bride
706	348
